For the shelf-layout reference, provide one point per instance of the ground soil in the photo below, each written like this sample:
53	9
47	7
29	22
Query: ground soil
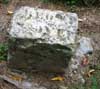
88	26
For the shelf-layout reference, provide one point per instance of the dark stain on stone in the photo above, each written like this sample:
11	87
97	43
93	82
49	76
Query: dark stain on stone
41	56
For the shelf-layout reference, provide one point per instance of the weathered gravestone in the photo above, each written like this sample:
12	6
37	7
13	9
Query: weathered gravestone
39	39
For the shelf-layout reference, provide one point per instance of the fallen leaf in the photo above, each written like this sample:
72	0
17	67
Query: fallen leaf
59	78
17	78
10	12
90	72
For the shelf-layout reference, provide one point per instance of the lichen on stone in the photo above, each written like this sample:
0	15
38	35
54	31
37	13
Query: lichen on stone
51	26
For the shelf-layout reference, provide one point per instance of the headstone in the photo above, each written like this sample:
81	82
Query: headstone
39	39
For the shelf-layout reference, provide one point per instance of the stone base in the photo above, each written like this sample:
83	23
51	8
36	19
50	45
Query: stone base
28	55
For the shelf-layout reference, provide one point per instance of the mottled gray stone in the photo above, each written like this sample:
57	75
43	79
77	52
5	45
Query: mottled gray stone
51	26
40	39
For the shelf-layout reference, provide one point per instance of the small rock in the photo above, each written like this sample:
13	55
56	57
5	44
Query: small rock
85	47
26	85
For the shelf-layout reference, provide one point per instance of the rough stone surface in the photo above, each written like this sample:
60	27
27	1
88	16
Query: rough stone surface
40	39
51	26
